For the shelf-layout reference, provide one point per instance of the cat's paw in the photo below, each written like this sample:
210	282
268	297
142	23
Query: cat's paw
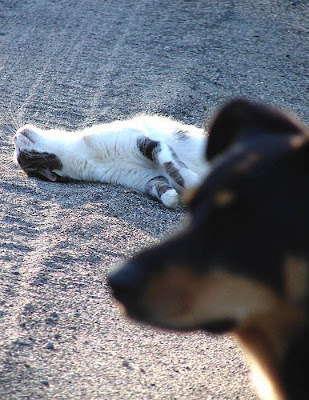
170	198
191	179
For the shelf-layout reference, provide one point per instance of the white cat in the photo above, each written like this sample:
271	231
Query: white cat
152	154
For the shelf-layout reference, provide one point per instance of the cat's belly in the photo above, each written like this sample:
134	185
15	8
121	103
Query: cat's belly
130	174
127	174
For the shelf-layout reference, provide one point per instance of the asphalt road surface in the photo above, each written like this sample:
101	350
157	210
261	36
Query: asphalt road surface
69	64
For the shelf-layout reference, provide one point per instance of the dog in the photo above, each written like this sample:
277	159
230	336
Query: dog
241	265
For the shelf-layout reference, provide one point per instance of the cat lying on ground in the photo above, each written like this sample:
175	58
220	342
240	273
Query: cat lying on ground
152	154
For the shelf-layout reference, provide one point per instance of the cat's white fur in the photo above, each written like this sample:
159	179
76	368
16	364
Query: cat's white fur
109	152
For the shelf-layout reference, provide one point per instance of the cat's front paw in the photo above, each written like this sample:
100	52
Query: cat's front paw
170	198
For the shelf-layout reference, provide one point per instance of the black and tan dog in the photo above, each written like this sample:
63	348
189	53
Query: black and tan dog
242	263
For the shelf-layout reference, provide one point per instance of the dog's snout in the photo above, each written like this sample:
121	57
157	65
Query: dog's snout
126	282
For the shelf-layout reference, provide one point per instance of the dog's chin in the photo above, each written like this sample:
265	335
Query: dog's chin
215	327
220	326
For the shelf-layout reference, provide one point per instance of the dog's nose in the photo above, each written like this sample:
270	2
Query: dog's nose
126	282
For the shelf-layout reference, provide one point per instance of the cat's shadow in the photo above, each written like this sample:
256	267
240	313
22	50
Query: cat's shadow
117	202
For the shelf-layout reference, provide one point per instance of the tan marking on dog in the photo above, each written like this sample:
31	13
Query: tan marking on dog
188	195
247	162
180	298
263	361
170	294
265	339
298	141
296	278
223	198
224	294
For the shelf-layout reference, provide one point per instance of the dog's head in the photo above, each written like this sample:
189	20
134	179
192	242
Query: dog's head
242	263
246	244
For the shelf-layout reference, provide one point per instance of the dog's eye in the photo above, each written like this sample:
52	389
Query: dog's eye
224	198
208	202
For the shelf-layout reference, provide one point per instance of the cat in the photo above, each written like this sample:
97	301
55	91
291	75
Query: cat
152	154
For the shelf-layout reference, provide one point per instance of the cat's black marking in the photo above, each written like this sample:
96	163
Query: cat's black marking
34	160
176	158
41	165
159	184
149	148
174	173
181	135
160	188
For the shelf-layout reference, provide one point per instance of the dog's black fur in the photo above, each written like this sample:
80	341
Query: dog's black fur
242	263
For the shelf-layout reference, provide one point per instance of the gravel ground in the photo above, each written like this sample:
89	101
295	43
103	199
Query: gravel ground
73	63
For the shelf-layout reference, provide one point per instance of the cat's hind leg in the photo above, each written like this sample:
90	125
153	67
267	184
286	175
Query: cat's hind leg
177	169
160	188
164	155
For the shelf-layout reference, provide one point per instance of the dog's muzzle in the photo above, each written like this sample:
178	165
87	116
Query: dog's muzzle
127	285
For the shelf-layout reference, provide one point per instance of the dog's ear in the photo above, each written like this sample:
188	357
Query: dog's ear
240	117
